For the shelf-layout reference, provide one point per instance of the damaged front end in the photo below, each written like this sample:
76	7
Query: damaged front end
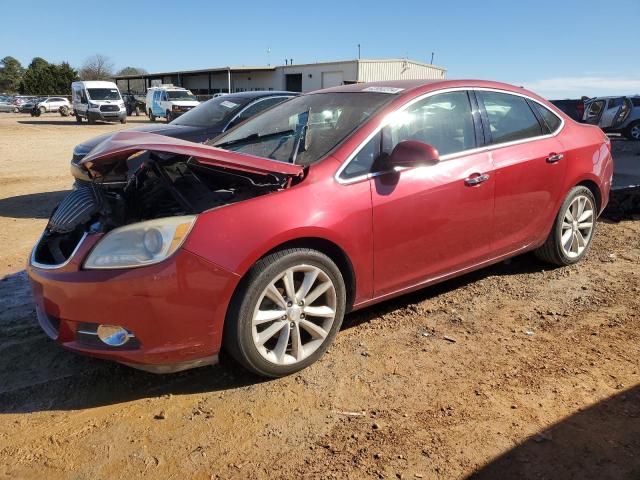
143	177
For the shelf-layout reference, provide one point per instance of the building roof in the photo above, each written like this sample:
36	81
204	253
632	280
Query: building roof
269	68
233	69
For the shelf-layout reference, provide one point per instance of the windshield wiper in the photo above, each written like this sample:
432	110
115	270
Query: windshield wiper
253	137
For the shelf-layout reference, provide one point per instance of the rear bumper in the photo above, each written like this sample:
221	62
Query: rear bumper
174	310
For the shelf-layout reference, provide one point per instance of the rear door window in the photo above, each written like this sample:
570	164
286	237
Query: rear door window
510	118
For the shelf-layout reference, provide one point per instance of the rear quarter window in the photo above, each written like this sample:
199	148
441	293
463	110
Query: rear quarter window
551	120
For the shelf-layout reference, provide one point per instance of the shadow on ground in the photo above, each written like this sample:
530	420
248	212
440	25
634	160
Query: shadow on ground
600	442
32	205
71	122
54	379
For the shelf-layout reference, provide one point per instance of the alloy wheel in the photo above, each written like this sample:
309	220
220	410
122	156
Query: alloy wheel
577	226
635	131
294	314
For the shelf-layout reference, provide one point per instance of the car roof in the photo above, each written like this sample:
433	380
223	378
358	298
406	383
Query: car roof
424	85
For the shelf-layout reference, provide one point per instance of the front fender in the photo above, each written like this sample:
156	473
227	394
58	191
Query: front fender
237	235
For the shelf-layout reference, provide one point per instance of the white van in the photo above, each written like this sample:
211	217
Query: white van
169	102
97	100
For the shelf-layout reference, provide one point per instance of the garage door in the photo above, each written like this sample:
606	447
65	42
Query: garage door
331	79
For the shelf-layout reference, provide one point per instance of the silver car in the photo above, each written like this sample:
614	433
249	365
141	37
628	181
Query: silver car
615	115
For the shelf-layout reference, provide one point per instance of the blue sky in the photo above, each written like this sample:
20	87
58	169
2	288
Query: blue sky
556	48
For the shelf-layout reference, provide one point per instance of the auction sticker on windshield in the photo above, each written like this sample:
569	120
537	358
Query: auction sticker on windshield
228	104
383	89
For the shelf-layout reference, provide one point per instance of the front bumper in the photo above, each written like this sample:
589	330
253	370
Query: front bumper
107	116
174	309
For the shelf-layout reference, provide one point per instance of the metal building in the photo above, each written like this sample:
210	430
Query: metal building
293	77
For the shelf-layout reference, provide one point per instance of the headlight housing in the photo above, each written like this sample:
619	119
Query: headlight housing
93	105
140	244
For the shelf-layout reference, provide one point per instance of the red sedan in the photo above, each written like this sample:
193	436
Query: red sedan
326	203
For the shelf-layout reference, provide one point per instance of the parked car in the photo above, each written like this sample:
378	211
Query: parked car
573	108
6	104
28	105
169	102
206	121
615	115
52	104
98	100
261	240
133	104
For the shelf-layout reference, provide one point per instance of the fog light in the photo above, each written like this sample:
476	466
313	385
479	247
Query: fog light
113	335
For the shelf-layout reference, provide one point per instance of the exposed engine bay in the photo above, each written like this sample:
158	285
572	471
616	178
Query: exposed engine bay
144	186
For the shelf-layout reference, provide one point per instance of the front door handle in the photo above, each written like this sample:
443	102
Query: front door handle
554	157
476	179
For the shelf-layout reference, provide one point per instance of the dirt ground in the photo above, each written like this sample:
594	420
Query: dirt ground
515	371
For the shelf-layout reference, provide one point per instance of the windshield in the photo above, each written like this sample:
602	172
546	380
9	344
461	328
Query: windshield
215	112
181	95
304	129
103	93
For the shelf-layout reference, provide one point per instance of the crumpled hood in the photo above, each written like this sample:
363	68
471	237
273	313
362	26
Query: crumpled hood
169	130
124	144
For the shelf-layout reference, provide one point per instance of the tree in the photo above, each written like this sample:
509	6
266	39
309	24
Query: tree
131	71
11	72
97	67
44	78
37	78
63	75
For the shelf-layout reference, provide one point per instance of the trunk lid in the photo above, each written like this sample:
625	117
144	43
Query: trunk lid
123	144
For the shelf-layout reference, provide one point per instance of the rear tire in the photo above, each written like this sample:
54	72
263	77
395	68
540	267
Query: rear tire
573	229
632	132
274	335
123	120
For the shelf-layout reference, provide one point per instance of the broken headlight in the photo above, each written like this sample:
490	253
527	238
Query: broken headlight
140	244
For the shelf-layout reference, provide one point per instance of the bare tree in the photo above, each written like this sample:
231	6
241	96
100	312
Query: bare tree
97	67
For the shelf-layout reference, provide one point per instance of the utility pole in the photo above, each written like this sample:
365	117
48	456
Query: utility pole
431	58
358	51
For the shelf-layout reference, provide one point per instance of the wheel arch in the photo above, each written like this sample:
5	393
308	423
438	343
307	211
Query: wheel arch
595	190
331	249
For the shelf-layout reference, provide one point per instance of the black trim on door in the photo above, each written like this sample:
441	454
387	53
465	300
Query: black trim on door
545	128
488	139
482	137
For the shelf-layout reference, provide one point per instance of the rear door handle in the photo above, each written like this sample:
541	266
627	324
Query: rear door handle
555	157
476	179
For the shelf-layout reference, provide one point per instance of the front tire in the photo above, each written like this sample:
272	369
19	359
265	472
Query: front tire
42	110
152	117
286	312
573	229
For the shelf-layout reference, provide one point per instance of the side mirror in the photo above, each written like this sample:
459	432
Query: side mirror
410	153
